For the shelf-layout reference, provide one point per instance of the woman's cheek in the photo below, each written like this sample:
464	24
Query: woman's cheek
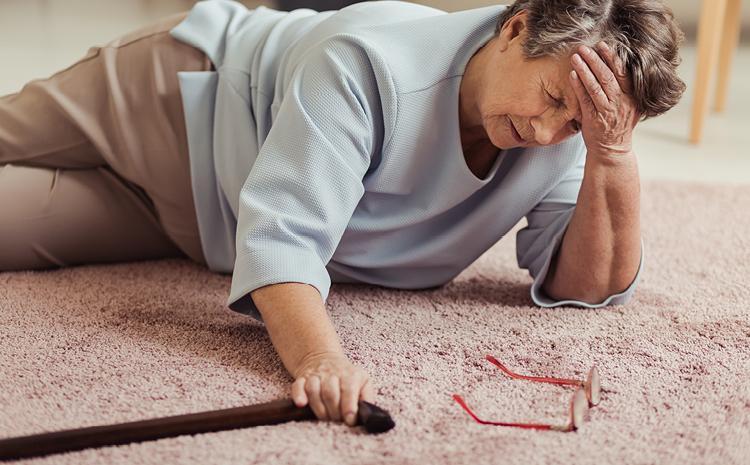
496	131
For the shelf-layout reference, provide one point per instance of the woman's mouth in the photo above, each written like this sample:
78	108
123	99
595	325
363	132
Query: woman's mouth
515	134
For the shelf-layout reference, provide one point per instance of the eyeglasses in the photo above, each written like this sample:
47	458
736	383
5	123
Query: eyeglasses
591	386
587	394
579	408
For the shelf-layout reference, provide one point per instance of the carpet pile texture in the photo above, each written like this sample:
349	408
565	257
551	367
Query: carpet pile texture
97	345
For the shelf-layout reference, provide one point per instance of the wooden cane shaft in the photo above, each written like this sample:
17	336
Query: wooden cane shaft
374	419
241	417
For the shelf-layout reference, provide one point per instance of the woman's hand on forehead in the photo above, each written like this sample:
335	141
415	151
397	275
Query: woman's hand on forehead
604	90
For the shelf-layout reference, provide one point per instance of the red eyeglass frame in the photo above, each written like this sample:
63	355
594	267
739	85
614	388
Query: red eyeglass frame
587	395
592	385
579	408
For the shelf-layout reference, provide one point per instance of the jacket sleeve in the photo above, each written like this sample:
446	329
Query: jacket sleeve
307	180
538	242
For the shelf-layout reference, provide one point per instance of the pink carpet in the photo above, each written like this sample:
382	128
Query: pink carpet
102	344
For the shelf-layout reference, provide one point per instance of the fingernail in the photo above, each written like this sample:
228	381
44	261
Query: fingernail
585	49
604	46
577	59
349	418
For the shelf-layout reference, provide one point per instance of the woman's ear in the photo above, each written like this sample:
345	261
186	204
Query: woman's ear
513	29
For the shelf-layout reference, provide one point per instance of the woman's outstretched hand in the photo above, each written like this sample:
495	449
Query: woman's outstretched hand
302	333
332	386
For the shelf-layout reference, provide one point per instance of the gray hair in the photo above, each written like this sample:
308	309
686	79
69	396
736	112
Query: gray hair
642	32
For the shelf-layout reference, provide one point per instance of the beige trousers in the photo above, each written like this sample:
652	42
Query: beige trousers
94	162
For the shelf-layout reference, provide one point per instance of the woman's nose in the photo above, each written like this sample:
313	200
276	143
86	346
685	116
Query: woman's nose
546	128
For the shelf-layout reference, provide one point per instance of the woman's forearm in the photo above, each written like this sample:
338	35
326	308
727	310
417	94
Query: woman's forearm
297	322
601	250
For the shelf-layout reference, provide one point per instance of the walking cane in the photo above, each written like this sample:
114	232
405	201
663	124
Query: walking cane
373	418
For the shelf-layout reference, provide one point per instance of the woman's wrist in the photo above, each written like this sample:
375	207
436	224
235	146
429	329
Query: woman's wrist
297	322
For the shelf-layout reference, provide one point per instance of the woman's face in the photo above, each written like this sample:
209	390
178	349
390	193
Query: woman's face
522	102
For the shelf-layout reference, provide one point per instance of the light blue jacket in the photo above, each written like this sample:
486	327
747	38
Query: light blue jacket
326	146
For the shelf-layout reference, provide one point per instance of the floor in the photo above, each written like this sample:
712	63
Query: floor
39	37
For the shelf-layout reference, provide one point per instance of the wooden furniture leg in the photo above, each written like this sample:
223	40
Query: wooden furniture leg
730	37
712	17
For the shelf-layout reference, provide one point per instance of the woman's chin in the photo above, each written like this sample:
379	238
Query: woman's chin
507	144
503	142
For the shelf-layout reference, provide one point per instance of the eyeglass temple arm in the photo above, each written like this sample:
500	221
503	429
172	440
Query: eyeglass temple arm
461	402
571	382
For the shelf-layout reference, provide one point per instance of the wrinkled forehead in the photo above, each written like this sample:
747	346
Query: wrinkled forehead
557	69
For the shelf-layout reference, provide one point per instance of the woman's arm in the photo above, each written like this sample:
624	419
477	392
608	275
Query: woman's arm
601	250
307	343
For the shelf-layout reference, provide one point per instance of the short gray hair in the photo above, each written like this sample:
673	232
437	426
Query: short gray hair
642	32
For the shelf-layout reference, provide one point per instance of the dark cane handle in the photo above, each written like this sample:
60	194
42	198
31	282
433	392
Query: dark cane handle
373	418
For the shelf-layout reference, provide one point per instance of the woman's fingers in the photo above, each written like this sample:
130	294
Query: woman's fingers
602	72
299	396
591	84
588	108
352	389
332	387
312	388
323	396
615	63
330	392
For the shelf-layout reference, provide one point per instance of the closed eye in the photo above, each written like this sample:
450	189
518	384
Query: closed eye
558	103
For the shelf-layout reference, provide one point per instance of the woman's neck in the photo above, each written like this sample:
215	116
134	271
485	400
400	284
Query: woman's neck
479	152
470	95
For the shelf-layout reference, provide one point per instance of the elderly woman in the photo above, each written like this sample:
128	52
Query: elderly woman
386	143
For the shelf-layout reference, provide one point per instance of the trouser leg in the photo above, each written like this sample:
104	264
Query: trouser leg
119	108
61	217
